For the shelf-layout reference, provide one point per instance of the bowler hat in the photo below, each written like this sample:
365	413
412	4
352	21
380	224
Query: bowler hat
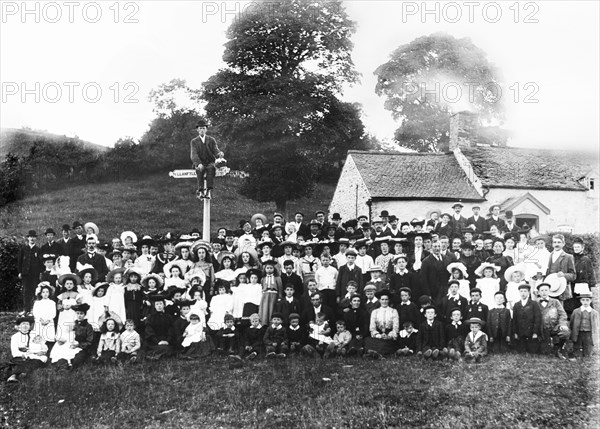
49	231
201	123
32	233
336	216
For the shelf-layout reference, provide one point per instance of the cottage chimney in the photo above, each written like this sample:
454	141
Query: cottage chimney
463	129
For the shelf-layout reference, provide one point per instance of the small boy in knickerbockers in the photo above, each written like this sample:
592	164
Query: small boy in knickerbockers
297	335
476	341
585	326
407	340
131	343
253	337
28	349
455	332
228	336
341	339
275	339
499	325
430	341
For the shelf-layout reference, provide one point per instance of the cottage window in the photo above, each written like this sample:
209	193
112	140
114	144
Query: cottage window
591	183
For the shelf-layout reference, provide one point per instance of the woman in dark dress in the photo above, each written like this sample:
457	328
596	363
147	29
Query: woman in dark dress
357	323
501	261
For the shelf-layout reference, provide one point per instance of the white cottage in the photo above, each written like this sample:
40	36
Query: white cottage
549	190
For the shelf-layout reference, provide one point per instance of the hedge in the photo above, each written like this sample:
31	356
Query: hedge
10	285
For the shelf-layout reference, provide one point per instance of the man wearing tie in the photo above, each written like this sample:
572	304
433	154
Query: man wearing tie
562	263
476	222
93	258
51	247
434	271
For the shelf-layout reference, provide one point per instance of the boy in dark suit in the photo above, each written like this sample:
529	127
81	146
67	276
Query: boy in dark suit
430	341
451	301
407	310
407	340
290	277
288	304
527	322
475	308
297	334
253	337
455	333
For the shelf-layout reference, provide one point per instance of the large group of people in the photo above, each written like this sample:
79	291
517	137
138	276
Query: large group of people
442	287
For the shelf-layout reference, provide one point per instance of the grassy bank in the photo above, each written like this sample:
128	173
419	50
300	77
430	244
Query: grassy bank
154	205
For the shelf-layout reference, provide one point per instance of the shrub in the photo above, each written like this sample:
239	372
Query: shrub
10	286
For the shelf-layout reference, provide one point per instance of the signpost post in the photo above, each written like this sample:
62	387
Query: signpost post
191	174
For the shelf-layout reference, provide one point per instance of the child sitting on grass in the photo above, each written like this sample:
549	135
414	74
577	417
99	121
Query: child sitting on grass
275	339
130	343
407	340
341	339
431	336
253	337
476	341
228	337
455	334
319	336
109	345
28	349
296	333
195	343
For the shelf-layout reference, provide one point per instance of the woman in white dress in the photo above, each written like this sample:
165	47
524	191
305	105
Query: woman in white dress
88	276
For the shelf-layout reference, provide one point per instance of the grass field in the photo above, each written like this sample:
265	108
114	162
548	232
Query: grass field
155	205
504	391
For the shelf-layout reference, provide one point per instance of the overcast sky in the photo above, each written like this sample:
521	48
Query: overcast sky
549	57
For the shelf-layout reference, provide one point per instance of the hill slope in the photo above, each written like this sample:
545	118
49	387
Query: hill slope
19	141
150	206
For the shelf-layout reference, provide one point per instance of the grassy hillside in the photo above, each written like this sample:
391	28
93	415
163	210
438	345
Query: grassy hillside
19	141
154	205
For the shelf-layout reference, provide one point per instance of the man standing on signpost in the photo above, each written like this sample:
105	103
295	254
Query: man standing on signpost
204	153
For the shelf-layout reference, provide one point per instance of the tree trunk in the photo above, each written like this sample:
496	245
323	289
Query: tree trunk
281	205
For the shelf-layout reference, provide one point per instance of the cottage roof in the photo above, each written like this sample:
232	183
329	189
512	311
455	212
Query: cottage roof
525	168
399	175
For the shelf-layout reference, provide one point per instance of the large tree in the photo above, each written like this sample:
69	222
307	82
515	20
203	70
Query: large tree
276	100
428	79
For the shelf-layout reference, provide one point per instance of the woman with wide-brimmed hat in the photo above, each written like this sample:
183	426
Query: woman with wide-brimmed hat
260	223
500	260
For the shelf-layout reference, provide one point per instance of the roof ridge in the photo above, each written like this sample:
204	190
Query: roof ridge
373	152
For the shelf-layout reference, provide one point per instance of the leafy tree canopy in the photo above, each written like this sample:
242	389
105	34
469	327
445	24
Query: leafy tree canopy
431	77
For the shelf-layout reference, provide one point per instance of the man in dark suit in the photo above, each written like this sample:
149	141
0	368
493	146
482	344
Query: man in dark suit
204	152
509	224
65	241
476	222
301	227
458	221
77	245
435	275
51	247
93	258
527	322
494	218
309	313
29	267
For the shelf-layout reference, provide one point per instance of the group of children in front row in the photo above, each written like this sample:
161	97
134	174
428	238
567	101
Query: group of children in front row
358	329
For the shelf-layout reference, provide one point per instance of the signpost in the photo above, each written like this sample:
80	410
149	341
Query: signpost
191	174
